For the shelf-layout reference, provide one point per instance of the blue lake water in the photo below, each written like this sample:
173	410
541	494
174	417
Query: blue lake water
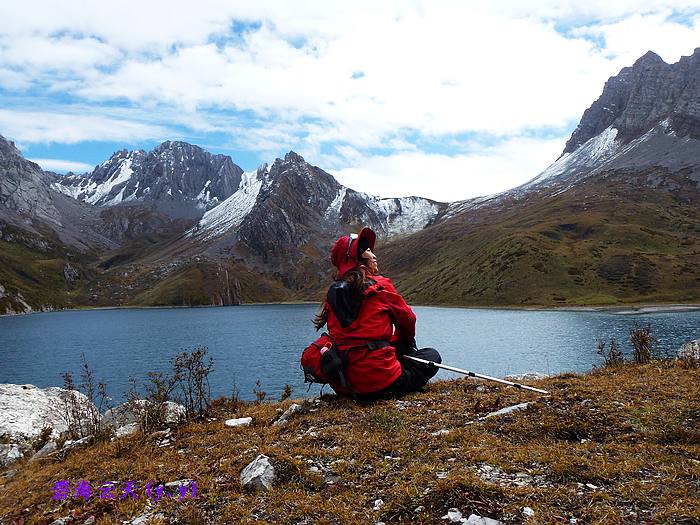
264	342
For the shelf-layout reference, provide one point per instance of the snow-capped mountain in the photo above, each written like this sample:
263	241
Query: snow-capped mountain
308	186
176	178
647	116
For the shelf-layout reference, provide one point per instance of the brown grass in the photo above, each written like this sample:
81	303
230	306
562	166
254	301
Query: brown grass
618	445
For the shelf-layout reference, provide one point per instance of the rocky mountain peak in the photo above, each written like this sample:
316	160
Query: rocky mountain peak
642	96
7	147
648	59
178	178
294	157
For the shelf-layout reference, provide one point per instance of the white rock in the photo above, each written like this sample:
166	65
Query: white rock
480	520
441	432
238	422
259	474
506	410
454	515
378	504
126	430
293	409
9	453
527	511
26	409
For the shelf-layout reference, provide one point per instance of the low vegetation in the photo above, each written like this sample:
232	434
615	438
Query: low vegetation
618	445
610	240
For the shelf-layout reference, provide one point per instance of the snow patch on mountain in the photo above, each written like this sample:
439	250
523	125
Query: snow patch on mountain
405	214
97	192
337	204
589	155
231	212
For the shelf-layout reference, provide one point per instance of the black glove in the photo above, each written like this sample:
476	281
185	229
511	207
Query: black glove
406	348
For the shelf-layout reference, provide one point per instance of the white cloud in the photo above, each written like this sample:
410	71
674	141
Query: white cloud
70	128
624	39
339	78
63	166
446	178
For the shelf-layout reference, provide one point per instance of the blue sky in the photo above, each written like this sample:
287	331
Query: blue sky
443	99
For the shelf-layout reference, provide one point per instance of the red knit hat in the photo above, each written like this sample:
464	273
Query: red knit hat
348	249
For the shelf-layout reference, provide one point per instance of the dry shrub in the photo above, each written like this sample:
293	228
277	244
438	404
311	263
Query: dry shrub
642	342
612	355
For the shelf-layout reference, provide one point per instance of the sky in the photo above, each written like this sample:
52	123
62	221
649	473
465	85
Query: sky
443	99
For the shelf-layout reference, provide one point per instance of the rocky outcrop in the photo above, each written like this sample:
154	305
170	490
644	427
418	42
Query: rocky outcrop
641	96
24	189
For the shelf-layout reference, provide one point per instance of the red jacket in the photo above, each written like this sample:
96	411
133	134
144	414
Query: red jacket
384	316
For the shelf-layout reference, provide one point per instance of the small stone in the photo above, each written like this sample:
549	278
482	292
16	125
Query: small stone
89	521
179	483
454	515
293	409
506	410
259	474
441	432
527	511
378	504
419	509
238	422
481	520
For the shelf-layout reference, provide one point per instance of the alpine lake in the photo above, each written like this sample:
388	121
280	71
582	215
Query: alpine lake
257	347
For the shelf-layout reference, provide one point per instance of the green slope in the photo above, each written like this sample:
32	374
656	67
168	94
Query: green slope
607	241
32	271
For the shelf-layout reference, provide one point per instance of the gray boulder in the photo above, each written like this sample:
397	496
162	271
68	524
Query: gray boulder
259	474
48	449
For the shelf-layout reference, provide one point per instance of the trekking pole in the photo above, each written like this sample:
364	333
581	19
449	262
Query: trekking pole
474	374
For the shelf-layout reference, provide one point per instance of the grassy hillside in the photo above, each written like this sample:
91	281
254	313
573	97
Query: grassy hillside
32	271
606	241
620	445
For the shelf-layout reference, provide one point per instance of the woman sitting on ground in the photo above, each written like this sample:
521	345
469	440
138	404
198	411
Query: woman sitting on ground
371	325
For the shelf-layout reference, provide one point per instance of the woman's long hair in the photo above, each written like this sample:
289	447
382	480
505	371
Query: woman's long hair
357	282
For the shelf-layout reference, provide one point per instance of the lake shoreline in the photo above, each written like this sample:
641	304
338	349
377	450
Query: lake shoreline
627	309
